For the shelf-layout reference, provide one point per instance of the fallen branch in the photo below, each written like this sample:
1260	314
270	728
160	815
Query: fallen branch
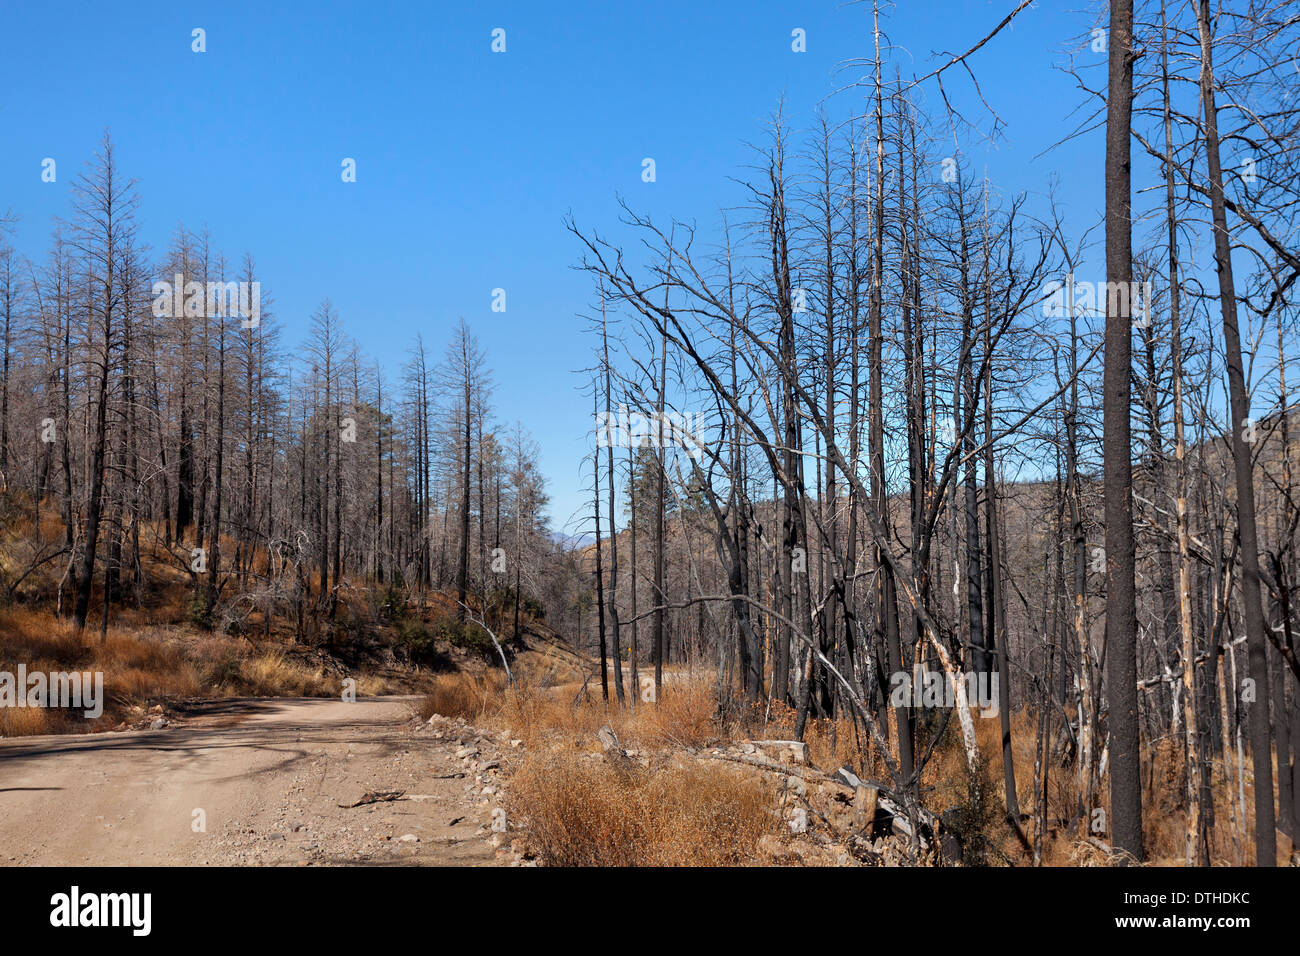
375	796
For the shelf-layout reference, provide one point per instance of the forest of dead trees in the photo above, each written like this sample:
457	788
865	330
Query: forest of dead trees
936	426
149	403
887	418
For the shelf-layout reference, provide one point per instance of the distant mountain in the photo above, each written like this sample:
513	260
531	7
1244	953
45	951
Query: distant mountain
568	541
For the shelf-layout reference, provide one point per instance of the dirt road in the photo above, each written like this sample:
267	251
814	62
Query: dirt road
265	778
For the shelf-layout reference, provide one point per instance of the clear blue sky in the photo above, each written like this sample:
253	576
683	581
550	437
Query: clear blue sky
468	161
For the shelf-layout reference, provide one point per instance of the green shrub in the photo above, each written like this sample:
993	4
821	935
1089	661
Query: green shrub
392	604
468	636
419	645
197	610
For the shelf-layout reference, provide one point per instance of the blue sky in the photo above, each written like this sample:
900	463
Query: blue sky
468	161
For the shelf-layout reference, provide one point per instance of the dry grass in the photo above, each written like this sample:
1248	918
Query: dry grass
686	715
30	721
136	666
462	694
1164	811
146	664
582	812
272	674
559	724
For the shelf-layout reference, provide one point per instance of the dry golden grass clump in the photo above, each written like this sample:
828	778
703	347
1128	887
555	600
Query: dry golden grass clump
31	721
585	812
581	810
686	715
272	674
463	694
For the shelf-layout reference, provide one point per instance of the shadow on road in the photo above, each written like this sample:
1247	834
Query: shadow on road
225	724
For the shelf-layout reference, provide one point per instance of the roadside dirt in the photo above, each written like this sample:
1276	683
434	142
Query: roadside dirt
268	776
